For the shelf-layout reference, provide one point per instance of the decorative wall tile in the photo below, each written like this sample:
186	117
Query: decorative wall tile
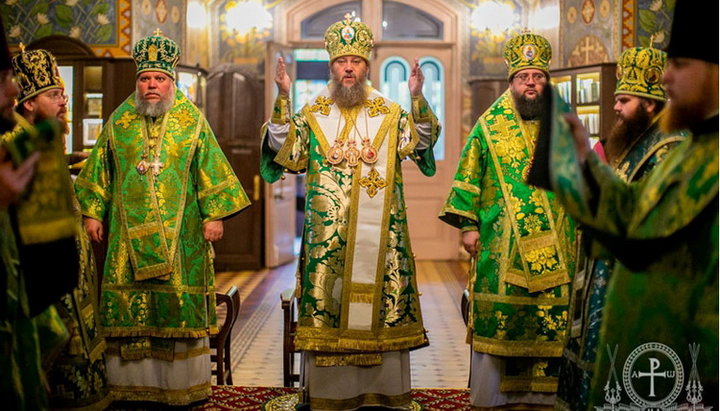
167	15
104	26
589	31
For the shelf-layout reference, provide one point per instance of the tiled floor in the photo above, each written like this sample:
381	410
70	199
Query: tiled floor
257	337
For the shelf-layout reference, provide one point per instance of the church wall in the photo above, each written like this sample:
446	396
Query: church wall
596	31
589	31
228	46
486	46
167	15
104	26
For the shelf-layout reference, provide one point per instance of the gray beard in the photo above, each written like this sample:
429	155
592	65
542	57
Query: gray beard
529	109
347	97
157	109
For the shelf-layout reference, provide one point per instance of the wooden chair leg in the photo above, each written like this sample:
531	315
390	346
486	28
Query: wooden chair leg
228	380
220	365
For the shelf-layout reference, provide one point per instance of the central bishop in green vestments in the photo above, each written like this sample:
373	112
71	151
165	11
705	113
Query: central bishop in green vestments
359	311
161	180
522	240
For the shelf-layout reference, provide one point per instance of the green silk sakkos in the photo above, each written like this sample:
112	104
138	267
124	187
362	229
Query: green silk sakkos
520	289
158	279
357	285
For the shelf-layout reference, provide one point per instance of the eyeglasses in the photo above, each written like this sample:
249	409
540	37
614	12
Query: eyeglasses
524	77
56	96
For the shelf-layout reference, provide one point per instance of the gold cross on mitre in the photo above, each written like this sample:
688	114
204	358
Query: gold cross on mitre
348	18
652	40
373	183
158	33
21	46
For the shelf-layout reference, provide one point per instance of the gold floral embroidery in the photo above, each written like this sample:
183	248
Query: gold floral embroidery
501	324
542	259
184	118
552	322
533	224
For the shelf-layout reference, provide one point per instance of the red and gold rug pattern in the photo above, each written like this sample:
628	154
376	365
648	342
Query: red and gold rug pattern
229	397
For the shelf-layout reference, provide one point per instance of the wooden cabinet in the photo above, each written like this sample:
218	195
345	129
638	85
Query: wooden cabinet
484	92
590	90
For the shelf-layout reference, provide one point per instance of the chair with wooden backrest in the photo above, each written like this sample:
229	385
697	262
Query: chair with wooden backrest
289	307
221	341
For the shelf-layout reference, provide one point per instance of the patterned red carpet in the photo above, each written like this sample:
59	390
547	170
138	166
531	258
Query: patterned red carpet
230	397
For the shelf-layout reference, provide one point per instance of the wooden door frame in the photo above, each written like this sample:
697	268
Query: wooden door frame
275	195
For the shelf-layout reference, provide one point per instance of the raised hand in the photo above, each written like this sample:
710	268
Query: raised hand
282	79
415	83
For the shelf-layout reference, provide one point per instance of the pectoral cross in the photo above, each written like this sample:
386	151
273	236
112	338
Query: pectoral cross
156	165
373	182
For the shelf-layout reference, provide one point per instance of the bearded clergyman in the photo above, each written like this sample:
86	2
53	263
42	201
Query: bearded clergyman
359	310
522	242
159	176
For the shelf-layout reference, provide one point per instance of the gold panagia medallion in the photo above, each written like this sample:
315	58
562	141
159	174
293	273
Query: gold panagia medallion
352	155
335	155
142	167
368	153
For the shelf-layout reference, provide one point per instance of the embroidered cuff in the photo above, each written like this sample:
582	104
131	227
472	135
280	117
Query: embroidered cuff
421	111
281	110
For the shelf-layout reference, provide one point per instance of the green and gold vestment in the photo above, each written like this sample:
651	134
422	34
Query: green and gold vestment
78	377
356	279
663	230
22	380
520	289
594	271
158	278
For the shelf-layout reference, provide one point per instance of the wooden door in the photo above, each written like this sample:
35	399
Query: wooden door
280	196
234	111
431	238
